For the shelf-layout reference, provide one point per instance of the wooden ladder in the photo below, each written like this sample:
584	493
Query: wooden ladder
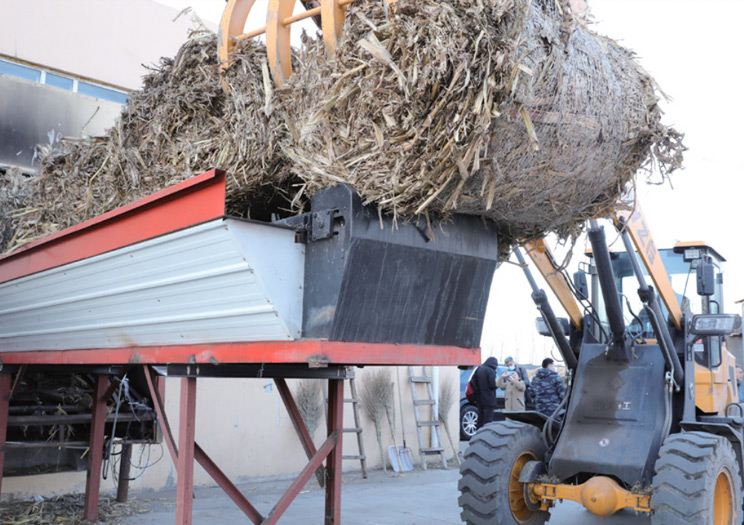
433	422
357	429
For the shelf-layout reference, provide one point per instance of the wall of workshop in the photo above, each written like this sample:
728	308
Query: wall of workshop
105	41
243	425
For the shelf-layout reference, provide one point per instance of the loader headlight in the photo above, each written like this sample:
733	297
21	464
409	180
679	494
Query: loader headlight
715	324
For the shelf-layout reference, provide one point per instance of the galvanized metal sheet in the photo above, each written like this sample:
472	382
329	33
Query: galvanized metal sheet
222	281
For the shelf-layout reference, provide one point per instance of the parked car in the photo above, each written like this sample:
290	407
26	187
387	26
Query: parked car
469	412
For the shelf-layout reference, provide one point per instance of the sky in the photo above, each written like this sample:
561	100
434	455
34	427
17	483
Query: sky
693	49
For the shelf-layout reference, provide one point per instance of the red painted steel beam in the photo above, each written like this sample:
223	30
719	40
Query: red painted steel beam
185	461
4	403
95	451
190	202
226	485
314	352
299	425
291	493
333	465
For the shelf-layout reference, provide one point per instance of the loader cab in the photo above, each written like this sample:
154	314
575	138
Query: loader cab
681	263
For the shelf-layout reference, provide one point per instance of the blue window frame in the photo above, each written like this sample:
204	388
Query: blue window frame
58	81
94	90
17	70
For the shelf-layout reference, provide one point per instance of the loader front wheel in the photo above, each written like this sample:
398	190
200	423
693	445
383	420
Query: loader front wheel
490	491
697	481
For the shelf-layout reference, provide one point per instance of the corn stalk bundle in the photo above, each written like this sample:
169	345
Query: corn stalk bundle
309	401
507	109
376	400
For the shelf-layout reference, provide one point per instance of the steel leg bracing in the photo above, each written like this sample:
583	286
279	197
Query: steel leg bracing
188	450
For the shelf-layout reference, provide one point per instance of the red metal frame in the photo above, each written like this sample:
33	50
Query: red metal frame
185	465
335	426
330	451
95	452
191	202
313	352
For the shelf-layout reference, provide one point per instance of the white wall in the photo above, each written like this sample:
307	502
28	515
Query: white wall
106	40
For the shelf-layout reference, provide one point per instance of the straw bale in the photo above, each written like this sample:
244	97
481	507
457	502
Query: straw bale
507	109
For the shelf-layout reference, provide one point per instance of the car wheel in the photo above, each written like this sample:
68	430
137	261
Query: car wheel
468	422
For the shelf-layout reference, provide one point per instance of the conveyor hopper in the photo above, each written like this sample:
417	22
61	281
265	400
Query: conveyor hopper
173	270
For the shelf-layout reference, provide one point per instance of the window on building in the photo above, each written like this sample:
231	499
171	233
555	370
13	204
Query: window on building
17	70
63	82
93	90
58	81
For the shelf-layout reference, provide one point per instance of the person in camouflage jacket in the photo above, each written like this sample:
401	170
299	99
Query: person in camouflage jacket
548	388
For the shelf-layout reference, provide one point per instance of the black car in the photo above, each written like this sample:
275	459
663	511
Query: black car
469	412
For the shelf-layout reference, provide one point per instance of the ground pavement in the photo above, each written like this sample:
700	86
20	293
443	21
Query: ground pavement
413	498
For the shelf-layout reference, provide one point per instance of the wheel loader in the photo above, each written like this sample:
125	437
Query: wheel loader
650	421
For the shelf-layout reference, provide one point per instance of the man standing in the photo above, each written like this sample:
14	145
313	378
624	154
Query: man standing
739	377
548	387
484	384
512	382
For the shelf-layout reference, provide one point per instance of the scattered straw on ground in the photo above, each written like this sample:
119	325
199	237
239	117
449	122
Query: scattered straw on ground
507	109
66	509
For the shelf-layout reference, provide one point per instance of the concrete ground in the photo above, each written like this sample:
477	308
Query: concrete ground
412	498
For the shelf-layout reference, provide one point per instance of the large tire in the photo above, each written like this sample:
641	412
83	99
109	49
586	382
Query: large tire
697	481
490	492
468	422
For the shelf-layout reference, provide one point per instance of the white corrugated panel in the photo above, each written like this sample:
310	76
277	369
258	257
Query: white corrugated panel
222	281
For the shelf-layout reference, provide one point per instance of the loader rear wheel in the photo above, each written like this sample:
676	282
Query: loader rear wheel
697	481
490	491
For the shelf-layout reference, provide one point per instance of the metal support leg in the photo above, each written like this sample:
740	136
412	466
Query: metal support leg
122	490
4	402
185	461
95	452
333	464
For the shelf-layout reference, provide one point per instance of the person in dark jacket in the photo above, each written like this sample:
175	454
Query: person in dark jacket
548	388
484	384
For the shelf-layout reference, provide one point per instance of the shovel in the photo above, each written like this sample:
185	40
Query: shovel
400	455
